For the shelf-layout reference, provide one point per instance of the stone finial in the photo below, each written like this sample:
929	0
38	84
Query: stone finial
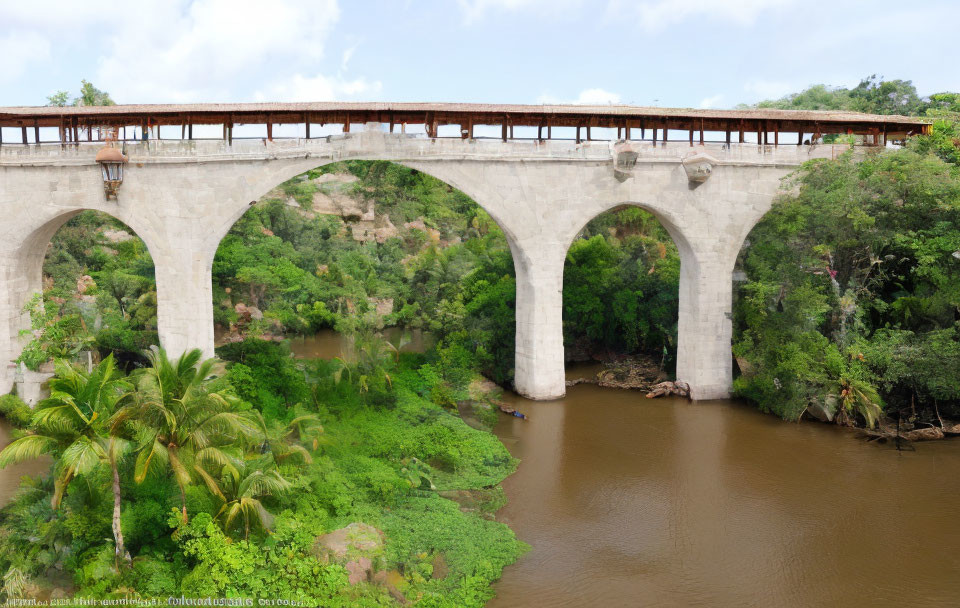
699	166
624	159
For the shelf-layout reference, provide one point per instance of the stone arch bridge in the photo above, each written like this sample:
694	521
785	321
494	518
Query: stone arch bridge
182	195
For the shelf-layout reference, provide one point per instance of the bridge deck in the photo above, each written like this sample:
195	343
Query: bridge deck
75	124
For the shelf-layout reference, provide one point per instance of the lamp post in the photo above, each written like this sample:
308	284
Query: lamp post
111	161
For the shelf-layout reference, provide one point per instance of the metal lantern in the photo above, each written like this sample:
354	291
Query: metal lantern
111	162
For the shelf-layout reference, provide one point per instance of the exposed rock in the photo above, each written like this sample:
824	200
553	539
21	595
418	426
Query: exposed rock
347	207
359	570
382	306
336	178
117	236
266	231
825	411
378	230
84	283
246	313
631	373
681	389
357	546
419	224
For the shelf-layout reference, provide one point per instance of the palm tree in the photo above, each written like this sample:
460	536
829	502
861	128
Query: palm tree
241	490
73	425
288	443
183	423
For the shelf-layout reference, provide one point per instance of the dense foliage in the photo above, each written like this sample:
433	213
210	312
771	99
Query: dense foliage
852	302
214	498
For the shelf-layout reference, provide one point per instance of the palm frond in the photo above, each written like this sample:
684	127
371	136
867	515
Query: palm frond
27	447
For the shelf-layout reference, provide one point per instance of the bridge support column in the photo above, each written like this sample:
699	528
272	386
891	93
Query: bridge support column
185	300
539	371
705	329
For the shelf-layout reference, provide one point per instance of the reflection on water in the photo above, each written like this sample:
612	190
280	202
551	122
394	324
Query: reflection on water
628	501
10	476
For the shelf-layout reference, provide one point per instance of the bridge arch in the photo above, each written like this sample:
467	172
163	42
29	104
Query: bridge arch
23	272
263	188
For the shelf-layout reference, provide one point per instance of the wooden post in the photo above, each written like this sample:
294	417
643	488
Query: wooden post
511	131
306	125
144	130
776	133
654	134
391	122
183	129
578	134
269	130
503	129
800	138
23	134
190	130
701	131
588	133
229	130
691	136
727	138
627	133
666	135
549	132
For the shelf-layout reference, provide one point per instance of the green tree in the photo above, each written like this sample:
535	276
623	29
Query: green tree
184	421
242	490
73	425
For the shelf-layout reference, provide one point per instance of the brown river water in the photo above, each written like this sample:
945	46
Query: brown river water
628	501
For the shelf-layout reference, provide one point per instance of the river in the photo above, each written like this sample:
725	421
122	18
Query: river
628	501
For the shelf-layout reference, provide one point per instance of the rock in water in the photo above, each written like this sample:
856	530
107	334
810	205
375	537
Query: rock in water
681	389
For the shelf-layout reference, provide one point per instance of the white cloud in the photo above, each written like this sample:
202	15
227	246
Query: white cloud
771	89
21	50
595	97
187	50
201	51
657	14
710	102
474	10
319	87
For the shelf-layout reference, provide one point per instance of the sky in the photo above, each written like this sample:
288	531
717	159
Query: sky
671	53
